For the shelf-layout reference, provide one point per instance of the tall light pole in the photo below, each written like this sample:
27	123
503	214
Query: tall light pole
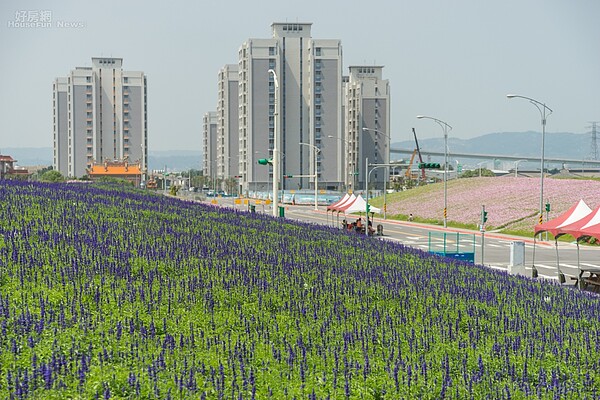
317	151
479	165
385	177
275	149
517	166
446	128
542	108
143	168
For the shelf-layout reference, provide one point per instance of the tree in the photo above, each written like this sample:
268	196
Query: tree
231	185
476	173
52	176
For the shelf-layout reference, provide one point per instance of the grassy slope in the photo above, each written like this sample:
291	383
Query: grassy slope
512	203
114	295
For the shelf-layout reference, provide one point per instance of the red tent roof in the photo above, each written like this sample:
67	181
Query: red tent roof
348	204
339	202
573	214
339	205
574	229
593	230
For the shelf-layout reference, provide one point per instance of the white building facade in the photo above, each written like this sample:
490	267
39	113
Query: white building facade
209	144
100	114
367	126
309	109
227	141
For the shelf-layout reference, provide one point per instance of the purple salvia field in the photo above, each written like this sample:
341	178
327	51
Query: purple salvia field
107	293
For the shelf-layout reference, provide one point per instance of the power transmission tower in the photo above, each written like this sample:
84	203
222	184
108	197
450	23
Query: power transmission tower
594	145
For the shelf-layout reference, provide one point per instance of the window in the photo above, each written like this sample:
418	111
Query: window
317	51
271	51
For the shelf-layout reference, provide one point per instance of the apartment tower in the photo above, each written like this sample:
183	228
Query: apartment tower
209	145
227	151
100	114
309	109
367	120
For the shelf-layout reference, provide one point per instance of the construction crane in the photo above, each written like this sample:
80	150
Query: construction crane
408	173
420	157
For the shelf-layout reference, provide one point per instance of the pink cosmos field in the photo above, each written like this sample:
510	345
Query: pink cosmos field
511	203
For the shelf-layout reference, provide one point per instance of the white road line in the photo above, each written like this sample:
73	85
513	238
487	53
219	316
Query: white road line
545	266
590	265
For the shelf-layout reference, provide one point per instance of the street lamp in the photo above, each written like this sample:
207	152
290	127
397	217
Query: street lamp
317	151
479	165
385	178
542	107
517	166
446	128
275	149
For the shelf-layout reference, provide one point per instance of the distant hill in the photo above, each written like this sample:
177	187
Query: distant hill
175	160
526	144
29	156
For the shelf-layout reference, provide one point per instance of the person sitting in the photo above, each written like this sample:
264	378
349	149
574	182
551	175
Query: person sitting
359	225
371	230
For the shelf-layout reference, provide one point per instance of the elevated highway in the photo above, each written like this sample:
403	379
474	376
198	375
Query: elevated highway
571	163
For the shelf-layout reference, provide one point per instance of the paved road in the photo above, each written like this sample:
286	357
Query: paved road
496	250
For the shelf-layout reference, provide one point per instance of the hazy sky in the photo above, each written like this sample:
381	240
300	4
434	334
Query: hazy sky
453	60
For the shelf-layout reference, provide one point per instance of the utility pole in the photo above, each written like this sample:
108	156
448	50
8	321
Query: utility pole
482	230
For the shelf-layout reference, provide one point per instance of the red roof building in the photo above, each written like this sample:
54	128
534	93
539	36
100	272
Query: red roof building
7	168
116	169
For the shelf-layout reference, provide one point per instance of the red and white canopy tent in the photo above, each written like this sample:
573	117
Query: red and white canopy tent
358	205
577	228
569	222
590	231
341	201
351	205
344	200
573	214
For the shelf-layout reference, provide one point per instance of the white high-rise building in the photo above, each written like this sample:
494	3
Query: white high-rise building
209	144
309	108
367	120
100	114
227	151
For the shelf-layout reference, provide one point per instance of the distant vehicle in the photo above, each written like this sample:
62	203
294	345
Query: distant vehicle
151	184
